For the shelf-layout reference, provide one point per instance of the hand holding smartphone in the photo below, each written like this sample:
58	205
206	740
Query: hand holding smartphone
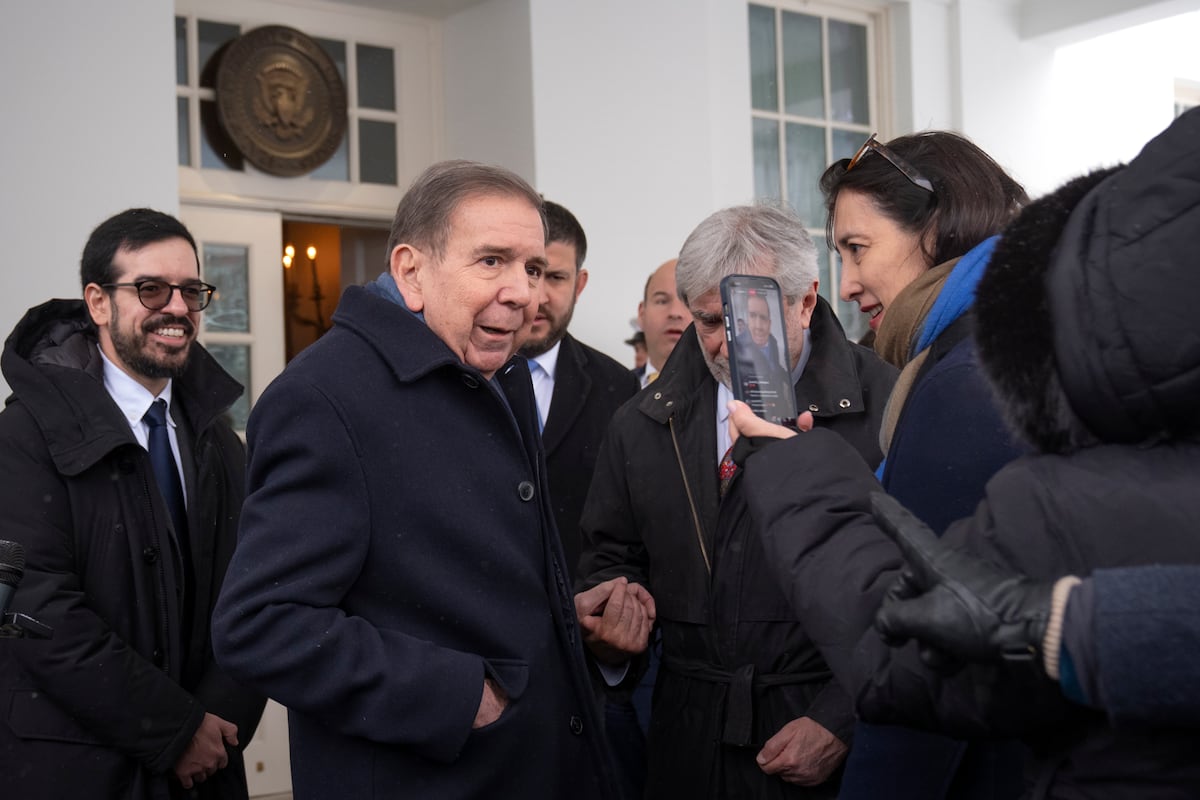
756	338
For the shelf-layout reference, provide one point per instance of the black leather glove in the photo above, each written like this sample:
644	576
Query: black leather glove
955	604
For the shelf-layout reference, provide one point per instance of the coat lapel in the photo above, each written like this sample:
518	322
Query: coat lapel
572	384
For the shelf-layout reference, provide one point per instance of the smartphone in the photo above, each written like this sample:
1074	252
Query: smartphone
756	338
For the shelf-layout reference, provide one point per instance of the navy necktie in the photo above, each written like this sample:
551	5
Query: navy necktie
166	472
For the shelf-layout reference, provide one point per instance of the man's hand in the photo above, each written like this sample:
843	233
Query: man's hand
616	617
803	753
744	422
953	603
205	754
491	704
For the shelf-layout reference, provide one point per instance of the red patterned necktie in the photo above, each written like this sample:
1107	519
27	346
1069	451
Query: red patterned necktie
726	470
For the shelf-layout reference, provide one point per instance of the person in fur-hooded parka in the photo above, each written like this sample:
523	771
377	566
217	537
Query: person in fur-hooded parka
1086	331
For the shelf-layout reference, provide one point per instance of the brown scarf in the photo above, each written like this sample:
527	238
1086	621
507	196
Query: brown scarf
898	333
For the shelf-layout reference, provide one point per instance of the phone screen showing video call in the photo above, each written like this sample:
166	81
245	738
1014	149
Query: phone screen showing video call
756	338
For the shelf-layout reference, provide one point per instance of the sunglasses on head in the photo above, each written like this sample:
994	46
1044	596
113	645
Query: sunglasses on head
874	145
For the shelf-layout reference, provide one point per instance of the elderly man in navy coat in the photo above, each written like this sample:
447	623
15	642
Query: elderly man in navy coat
398	583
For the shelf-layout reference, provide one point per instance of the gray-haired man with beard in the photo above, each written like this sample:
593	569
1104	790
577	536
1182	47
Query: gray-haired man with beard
744	705
123	483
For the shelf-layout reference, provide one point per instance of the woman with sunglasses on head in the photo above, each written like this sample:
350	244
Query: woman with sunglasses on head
914	221
1084	331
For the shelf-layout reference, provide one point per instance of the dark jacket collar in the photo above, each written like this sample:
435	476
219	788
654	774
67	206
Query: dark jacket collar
412	351
572	384
52	363
830	384
404	342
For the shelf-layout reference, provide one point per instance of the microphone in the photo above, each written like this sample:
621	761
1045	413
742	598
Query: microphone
12	569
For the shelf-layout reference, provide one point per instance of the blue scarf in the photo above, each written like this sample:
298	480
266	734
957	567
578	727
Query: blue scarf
958	293
956	297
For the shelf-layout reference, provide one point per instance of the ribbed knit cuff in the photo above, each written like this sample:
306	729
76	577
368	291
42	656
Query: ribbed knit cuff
1052	641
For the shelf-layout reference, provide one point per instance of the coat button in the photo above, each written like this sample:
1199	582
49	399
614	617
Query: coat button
158	657
470	381
576	725
525	490
150	555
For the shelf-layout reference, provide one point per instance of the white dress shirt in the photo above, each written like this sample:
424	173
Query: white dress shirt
134	400
542	369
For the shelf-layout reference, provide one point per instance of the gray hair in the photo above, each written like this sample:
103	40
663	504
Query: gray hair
739	240
423	215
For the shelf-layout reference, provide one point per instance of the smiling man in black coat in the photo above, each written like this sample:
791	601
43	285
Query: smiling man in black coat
125	699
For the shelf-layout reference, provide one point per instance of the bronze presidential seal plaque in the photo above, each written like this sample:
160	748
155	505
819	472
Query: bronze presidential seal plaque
281	100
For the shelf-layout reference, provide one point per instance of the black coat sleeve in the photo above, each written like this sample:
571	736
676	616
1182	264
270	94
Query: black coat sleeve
978	700
810	495
612	540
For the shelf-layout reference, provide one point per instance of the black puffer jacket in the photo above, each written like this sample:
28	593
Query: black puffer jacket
106	706
1086	330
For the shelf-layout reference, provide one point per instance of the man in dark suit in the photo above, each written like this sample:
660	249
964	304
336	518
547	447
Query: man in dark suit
578	388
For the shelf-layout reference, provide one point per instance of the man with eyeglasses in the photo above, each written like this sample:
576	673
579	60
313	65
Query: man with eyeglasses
123	481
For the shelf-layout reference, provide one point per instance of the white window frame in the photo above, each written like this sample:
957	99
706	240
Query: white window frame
417	46
874	18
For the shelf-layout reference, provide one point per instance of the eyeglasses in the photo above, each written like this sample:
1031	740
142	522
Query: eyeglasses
899	163
155	294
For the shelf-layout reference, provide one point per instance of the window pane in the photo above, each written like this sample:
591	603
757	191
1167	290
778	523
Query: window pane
337	168
805	163
377	152
854	322
764	91
803	90
846	144
181	70
827	289
183	131
766	160
216	150
337	51
227	266
848	72
376	77
212	36
235	358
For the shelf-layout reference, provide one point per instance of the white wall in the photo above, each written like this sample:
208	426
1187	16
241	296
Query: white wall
1004	93
1115	92
924	68
642	125
1052	106
488	86
89	130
